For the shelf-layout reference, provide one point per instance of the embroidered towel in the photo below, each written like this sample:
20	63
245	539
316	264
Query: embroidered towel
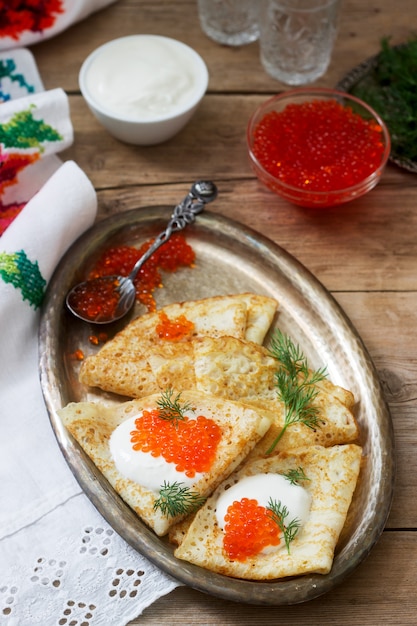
32	130
25	23
60	562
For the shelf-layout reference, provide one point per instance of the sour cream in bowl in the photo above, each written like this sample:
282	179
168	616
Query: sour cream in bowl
143	88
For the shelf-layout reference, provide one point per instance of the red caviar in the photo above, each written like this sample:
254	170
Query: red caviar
174	253
99	338
318	145
175	329
189	443
78	355
249	528
98	300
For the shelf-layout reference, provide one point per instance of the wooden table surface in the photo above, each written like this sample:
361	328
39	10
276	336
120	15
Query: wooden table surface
364	253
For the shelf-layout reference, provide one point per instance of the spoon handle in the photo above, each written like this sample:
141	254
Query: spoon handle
200	194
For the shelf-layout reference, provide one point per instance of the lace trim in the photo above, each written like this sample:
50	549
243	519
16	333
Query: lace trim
80	575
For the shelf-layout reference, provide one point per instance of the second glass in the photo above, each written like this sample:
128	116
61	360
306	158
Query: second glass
230	22
297	37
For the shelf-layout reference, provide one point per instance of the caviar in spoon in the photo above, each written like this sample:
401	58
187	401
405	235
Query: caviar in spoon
109	298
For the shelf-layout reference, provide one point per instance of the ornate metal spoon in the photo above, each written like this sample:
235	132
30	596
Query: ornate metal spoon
120	291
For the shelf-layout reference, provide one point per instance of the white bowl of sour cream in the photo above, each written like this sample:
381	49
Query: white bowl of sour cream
143	88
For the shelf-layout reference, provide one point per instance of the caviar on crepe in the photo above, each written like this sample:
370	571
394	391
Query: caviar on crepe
249	528
166	442
262	512
189	443
175	329
167	431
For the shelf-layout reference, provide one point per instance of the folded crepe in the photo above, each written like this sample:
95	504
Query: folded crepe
92	425
332	474
138	362
239	370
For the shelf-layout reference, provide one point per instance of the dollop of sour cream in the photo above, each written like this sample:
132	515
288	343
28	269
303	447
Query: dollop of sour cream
143	77
263	488
142	467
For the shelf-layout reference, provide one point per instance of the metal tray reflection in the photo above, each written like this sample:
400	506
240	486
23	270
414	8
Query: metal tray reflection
231	258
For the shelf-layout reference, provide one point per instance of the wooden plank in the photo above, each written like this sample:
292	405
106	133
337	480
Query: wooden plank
374	594
213	144
361	27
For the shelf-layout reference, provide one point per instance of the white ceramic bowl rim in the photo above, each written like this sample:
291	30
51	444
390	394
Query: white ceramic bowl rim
201	74
317	92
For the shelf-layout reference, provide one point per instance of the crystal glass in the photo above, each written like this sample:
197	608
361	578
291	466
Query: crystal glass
230	22
297	37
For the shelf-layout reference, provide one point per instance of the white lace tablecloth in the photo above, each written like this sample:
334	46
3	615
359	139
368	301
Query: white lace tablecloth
60	562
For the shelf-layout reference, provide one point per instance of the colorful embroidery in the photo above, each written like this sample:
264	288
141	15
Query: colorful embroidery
8	71
11	164
19	16
22	132
8	214
18	270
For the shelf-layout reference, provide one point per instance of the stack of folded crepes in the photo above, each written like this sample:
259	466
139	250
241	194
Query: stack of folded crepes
218	368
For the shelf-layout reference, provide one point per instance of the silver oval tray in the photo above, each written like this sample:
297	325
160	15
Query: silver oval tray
231	258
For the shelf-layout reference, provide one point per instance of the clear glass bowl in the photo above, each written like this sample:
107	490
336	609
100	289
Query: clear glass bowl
311	194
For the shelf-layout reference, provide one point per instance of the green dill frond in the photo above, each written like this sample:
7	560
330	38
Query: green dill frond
170	408
288	354
295	476
279	513
176	499
295	384
390	88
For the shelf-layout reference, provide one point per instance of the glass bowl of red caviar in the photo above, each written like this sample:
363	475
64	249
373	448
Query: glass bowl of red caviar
317	147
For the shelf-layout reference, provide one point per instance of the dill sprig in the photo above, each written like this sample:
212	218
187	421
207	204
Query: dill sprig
391	89
171	409
279	515
295	383
295	476
175	499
